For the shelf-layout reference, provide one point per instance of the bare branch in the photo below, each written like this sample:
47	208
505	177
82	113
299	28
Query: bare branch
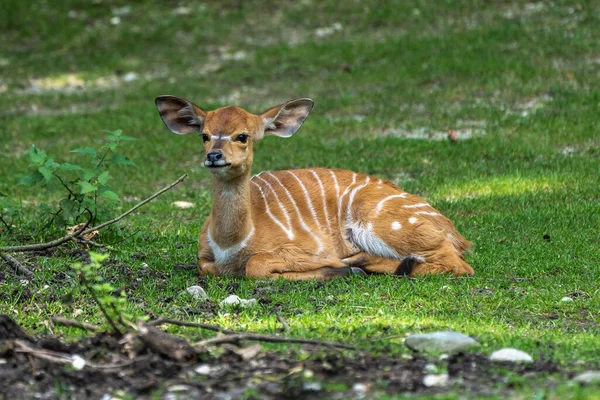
74	324
138	205
214	328
282	321
267	338
85	229
17	265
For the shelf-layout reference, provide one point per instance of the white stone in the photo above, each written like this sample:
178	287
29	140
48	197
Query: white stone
312	386
234	300
203	369
441	342
115	20
431	380
512	355
587	377
130	76
183	204
197	292
566	299
78	362
360	389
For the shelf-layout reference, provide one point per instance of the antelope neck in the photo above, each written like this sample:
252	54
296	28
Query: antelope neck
231	220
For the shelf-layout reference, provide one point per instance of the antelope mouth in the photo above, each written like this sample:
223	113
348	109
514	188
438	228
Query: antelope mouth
216	164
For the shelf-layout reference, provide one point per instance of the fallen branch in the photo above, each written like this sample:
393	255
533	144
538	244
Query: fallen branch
85	229
20	346
17	265
233	336
214	328
74	324
282	321
238	337
172	346
43	246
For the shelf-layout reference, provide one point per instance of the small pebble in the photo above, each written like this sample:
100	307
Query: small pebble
312	386
587	378
234	300
431	380
203	369
78	362
197	292
566	299
178	388
442	342
360	389
512	355
183	204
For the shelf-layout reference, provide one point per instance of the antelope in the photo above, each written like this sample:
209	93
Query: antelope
308	223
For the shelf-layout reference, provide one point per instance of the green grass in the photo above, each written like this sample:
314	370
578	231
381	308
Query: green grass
526	192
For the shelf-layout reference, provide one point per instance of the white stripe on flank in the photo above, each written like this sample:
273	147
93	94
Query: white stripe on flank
382	202
288	231
344	194
433	214
335	183
304	226
418	205
308	200
351	200
324	199
222	256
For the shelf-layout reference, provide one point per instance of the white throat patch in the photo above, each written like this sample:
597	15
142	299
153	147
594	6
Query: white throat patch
222	256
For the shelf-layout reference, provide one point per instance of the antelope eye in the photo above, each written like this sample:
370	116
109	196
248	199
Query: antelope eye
242	138
205	137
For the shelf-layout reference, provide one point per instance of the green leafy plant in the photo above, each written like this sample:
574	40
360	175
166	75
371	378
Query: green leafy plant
9	212
83	185
112	303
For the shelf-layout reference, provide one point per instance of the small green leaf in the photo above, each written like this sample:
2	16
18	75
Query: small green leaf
3	194
127	138
90	173
51	164
113	133
120	159
109	194
47	172
70	167
103	178
87	187
86	150
36	156
31	179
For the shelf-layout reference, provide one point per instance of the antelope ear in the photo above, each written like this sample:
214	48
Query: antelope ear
180	115
285	119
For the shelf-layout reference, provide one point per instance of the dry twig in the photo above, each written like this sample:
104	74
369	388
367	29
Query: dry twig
85	229
282	321
214	328
74	324
17	265
238	337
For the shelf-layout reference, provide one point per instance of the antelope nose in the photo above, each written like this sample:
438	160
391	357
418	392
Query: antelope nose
214	156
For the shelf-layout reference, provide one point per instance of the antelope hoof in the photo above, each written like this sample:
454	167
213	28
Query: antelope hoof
407	265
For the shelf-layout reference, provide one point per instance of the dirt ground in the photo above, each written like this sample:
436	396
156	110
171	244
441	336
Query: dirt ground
229	372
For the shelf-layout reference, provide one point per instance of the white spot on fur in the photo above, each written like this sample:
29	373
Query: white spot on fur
412	220
222	256
396	225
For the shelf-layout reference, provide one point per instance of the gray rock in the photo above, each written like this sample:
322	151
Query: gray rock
197	292
440	342
512	355
588	377
431	380
234	300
